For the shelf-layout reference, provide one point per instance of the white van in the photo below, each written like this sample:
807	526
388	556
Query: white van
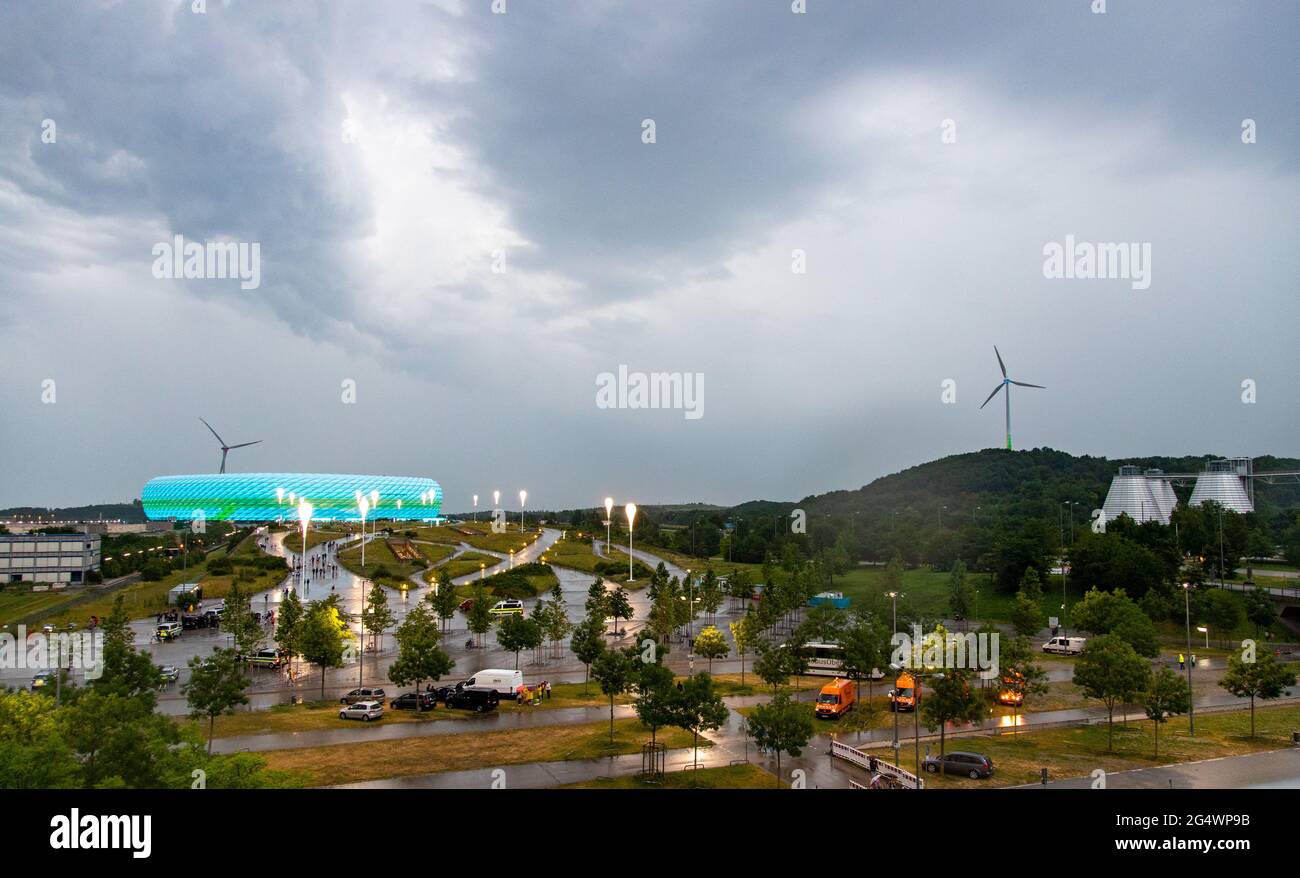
1065	645
169	630
506	682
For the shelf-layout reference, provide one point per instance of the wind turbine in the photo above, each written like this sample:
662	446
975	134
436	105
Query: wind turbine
224	447
1004	386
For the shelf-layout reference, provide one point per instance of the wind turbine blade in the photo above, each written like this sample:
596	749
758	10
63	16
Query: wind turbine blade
991	395
1001	365
1023	384
246	444
214	433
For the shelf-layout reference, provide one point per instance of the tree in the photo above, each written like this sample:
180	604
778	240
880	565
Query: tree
419	657
775	663
555	618
655	696
951	700
783	726
619	606
588	643
324	636
597	605
1259	609
1167	695
288	624
1110	670
479	616
698	708
865	642
960	593
1222	611
512	634
743	635
1026	615
1031	585
711	644
1114	612
237	621
1021	675
443	598
614	670
126	673
216	686
377	617
1263	678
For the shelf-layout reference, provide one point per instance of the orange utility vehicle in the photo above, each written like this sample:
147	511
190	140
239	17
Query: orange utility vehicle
836	699
904	695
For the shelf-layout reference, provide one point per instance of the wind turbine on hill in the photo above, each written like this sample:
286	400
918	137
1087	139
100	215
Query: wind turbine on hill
224	447
1005	385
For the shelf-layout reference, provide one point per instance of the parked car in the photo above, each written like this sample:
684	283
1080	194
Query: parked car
479	700
508	607
357	695
169	630
414	701
266	658
466	604
41	680
971	765
442	693
363	710
168	674
1065	645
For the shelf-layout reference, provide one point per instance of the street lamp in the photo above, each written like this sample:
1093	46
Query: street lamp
476	507
496	499
1205	629
917	675
304	515
893	597
481	568
1191	702
630	509
279	496
523	496
609	518
363	506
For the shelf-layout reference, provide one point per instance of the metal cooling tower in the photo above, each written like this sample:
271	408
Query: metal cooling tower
1131	494
1162	491
1222	484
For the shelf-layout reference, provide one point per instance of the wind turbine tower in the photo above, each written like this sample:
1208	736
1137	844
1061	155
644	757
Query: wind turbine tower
1006	386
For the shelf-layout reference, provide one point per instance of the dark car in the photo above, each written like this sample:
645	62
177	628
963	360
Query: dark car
442	693
479	699
466	604
971	765
363	695
414	701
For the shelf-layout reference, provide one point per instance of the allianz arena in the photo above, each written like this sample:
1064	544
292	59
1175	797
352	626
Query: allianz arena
266	497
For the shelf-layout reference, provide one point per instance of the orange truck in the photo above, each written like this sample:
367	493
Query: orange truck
904	695
835	699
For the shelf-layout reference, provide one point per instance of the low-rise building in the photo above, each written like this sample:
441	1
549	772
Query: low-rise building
48	558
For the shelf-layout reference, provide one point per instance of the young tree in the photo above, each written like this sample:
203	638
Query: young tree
866	648
555	621
419	657
443	599
1259	609
125	672
711	644
619	606
1110	670
1262	678
216	686
783	726
710	594
614	670
376	616
960	593
950	700
1021	675
588	643
1026	615
512	635
655	695
698	708
479	616
324	637
597	605
288	624
774	663
743	635
1167	695
237	621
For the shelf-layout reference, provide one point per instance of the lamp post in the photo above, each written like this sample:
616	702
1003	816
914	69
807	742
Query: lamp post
917	676
523	496
374	504
609	518
363	506
481	568
304	515
893	597
1205	629
630	509
1187	611
476	507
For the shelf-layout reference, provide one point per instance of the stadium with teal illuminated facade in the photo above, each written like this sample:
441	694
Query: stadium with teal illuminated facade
271	496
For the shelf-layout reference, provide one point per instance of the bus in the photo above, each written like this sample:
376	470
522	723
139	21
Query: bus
826	659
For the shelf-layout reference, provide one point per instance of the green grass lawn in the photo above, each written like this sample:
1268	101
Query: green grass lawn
729	777
480	535
293	541
462	565
18	601
370	760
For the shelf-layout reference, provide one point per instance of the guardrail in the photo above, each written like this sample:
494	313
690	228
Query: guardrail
876	766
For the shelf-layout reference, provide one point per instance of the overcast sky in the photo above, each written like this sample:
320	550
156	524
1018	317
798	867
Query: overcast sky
381	153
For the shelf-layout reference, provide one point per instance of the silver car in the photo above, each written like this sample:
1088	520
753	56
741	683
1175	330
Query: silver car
363	710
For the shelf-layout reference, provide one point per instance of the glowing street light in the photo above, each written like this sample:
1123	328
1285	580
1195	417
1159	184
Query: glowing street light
523	496
476	507
496	498
481	567
279	496
363	506
630	509
305	510
1205	629
609	519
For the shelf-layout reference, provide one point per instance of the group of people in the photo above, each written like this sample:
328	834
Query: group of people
524	694
324	565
